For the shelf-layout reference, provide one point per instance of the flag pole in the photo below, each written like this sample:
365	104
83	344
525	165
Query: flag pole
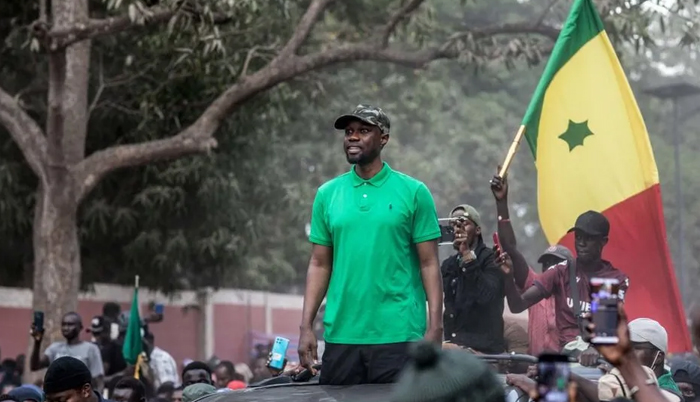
511	152
139	359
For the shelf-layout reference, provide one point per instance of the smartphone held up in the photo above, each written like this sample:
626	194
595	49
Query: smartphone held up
604	298
447	230
278	353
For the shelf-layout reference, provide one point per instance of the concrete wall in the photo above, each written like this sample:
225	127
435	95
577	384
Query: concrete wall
229	317
233	320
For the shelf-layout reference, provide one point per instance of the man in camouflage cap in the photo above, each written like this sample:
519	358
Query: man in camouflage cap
374	233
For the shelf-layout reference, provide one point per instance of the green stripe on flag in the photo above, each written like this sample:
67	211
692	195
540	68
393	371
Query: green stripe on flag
133	345
582	25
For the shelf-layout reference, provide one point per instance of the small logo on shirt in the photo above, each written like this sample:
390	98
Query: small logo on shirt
390	206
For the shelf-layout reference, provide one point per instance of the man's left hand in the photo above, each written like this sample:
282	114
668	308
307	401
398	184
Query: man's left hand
589	357
434	335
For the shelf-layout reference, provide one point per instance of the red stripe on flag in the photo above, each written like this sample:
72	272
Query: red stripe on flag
638	247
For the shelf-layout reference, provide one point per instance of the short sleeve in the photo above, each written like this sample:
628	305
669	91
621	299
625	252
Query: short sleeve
425	219
549	279
320	232
50	352
95	361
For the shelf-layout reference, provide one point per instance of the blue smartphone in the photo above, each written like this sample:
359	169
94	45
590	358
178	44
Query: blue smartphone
278	353
158	308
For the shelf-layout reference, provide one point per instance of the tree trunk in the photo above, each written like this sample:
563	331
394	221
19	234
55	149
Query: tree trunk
56	252
56	243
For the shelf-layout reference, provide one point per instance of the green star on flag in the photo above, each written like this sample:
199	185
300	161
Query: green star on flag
575	134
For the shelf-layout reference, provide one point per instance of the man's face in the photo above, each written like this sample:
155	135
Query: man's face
124	395
71	326
223	377
363	142
589	248
463	228
177	395
647	354
687	390
196	376
72	395
549	260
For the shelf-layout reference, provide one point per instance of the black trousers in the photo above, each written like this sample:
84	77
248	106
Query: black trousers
363	364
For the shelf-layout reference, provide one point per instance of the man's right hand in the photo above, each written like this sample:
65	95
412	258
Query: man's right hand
308	348
37	335
499	187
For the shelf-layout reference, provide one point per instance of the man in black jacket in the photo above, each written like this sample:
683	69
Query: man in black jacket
474	288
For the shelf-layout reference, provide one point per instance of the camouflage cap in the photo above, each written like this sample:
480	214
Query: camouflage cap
365	113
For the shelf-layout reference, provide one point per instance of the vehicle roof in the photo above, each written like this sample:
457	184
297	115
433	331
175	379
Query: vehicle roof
305	392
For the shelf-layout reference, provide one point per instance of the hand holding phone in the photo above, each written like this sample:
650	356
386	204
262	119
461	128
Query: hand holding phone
604	299
37	328
497	242
278	353
553	376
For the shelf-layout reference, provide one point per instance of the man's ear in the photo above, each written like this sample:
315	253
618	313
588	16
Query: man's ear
604	241
478	230
86	390
384	139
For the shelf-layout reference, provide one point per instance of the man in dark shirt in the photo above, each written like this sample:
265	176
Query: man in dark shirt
111	351
591	231
473	286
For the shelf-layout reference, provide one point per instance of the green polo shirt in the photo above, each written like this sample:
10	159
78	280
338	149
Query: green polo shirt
375	294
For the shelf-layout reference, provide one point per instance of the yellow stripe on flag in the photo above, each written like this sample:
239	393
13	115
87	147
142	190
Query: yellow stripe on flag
591	137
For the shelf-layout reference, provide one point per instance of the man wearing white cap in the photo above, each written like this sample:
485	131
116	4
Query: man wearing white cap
650	343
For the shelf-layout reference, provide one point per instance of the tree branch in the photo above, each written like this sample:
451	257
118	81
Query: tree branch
394	20
89	172
199	136
104	27
510	29
24	131
304	27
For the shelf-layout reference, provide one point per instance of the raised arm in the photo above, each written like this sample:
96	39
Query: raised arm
499	188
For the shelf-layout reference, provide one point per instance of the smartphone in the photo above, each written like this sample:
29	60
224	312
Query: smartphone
553	376
447	232
278	353
38	321
497	241
604	298
158	309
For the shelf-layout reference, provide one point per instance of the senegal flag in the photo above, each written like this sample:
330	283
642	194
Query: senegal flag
592	152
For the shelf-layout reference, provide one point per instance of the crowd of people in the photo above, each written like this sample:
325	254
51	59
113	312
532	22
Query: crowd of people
154	378
374	234
375	261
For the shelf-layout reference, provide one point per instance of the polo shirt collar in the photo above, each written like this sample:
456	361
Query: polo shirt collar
378	179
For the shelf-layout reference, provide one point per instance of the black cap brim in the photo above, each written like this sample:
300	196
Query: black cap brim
588	232
343	121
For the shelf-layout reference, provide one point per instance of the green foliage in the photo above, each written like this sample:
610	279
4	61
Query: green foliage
237	216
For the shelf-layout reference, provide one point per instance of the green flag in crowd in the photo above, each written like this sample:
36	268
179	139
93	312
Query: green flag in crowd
132	342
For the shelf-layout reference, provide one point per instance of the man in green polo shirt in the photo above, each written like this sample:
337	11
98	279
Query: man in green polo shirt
374	233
